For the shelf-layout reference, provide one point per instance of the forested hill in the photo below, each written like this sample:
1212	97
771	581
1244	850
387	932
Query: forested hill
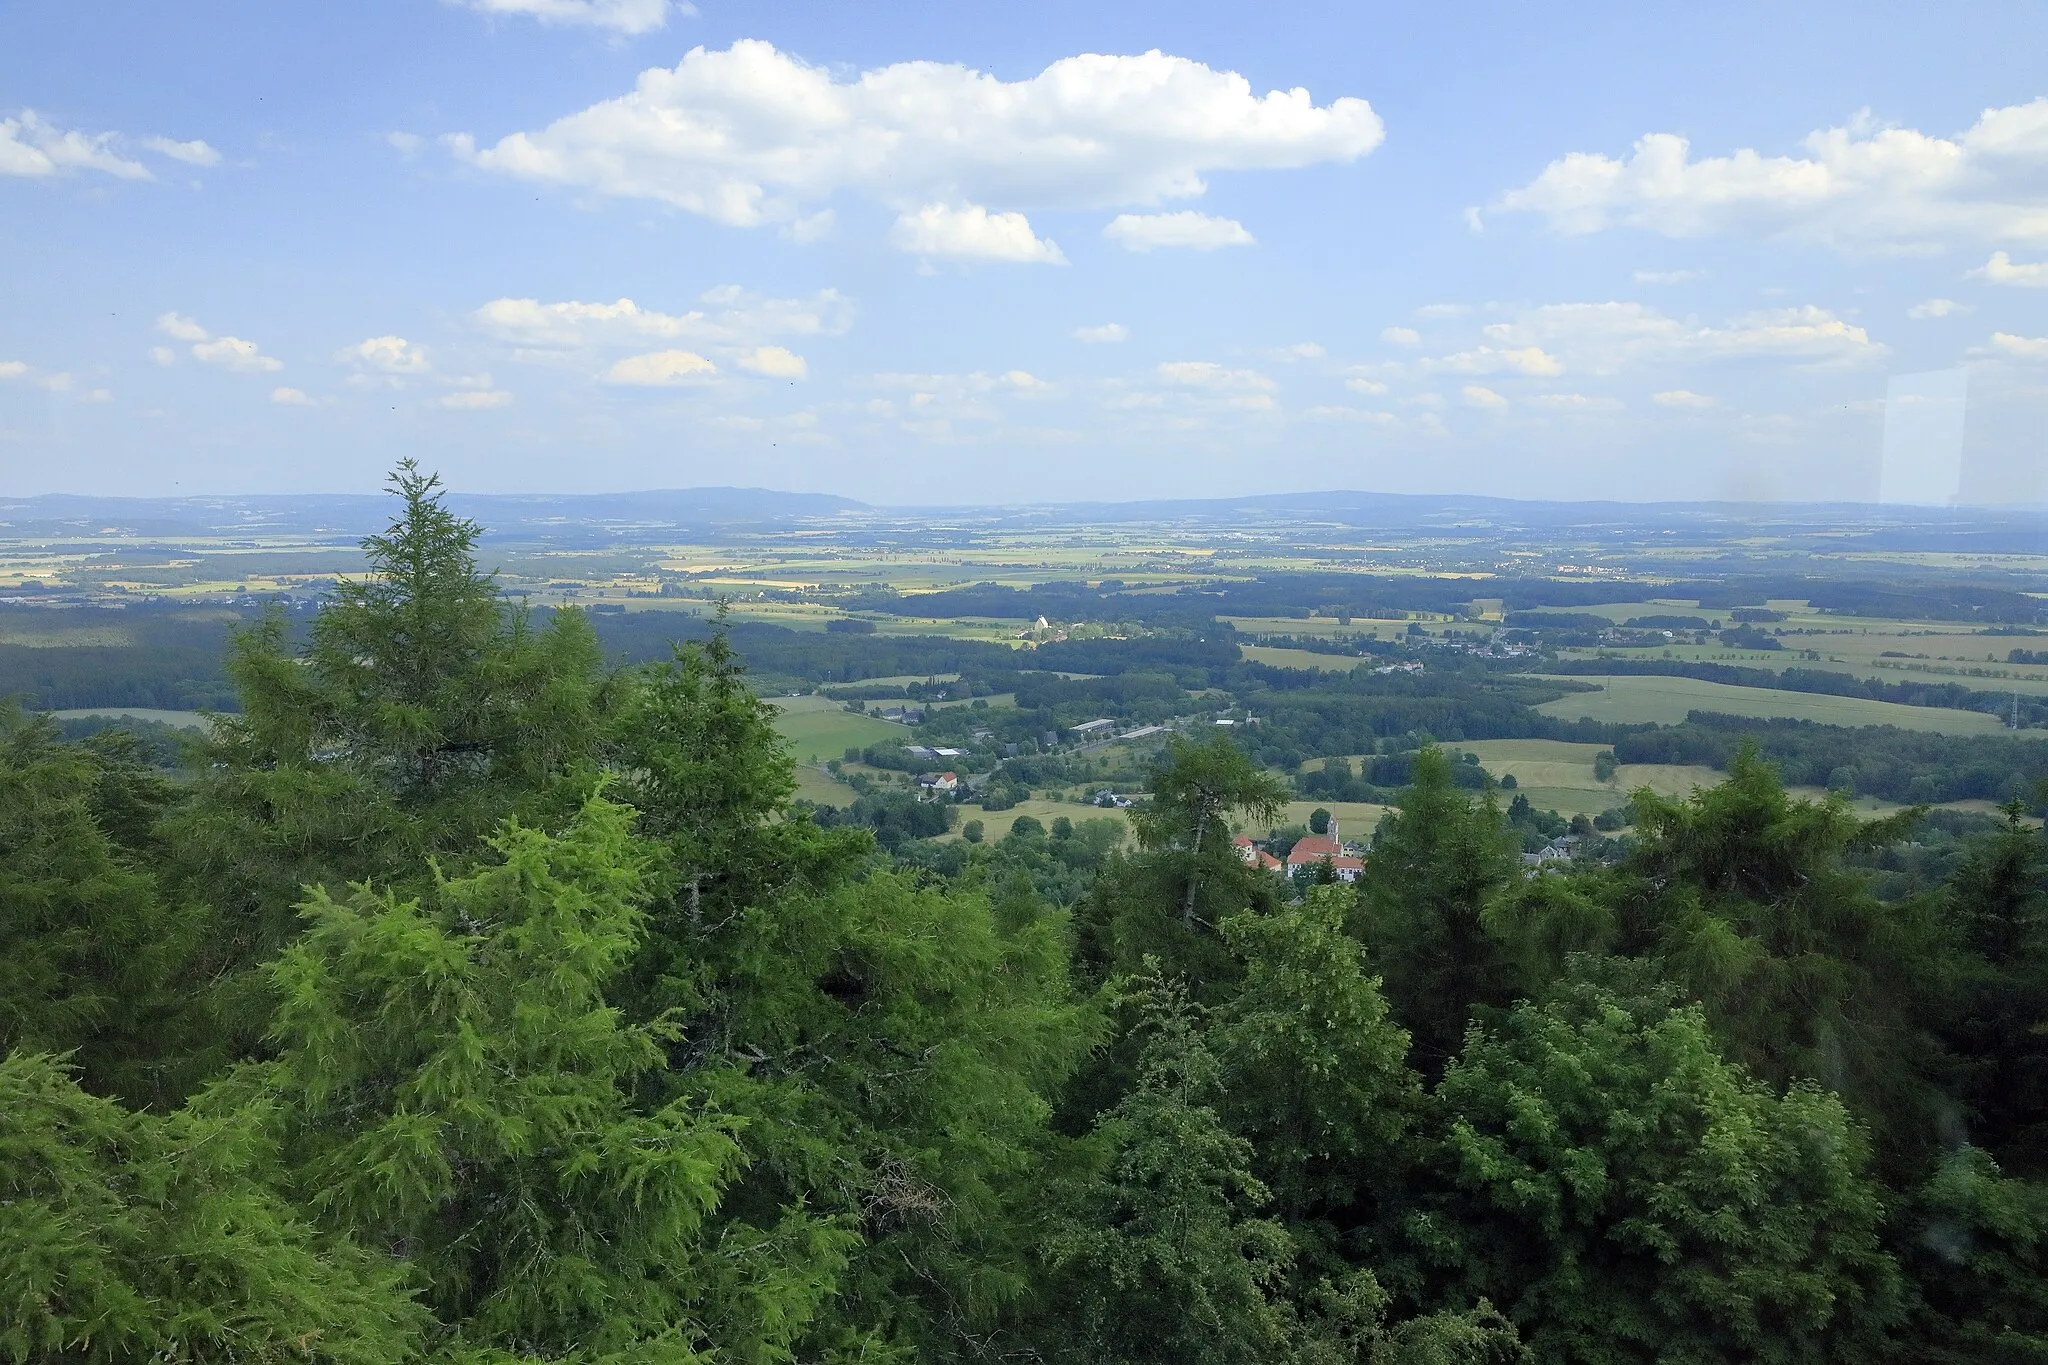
468	1001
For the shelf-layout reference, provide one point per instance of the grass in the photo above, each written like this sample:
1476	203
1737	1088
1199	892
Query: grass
1665	701
1278	657
822	728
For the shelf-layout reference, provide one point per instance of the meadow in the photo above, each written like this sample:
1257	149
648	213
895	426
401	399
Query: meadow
1665	701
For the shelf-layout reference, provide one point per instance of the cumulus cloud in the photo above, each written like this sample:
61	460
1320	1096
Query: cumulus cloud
1194	231
1106	332
775	362
2026	348
2003	269
1479	396
292	398
1364	384
229	353
163	355
659	369
388	355
970	232
178	327
752	135
1935	308
1681	398
1301	350
621	16
32	146
1401	336
13	369
193	153
730	316
1861	186
1606	337
1531	360
1665	276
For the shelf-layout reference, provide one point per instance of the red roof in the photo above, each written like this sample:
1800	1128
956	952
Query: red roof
1313	848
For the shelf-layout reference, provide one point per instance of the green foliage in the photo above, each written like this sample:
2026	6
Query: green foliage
128	1237
1422	902
1979	1256
1747	899
1627	1195
1161	1256
86	941
1314	1072
451	1081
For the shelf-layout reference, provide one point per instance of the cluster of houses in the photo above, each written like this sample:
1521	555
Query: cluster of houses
1308	851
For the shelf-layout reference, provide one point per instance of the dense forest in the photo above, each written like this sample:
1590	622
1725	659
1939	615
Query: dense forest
469	997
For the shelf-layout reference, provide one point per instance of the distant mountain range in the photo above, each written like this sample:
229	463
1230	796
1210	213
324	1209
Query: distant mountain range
596	518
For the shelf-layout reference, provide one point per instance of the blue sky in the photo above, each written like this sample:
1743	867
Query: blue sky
931	253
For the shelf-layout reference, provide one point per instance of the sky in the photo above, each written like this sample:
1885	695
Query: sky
938	253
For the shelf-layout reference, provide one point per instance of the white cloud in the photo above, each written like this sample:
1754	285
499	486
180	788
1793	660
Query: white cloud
1363	384
1195	231
732	316
193	153
1577	402
233	353
163	355
2003	269
2026	348
405	144
1301	350
1479	396
178	327
1204	374
475	400
1025	381
292	398
661	368
753	135
775	362
1443	310
1936	308
1665	276
31	146
1532	360
1681	398
1329	412
1605	337
1401	336
13	369
621	16
1108	331
971	232
1860	186
230	353
387	354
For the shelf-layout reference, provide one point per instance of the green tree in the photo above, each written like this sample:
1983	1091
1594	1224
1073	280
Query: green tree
451	1081
421	712
1314	1073
1627	1195
1194	792
1423	897
1159	1254
133	1237
1994	1012
1319	821
1748	899
1978	1253
88	947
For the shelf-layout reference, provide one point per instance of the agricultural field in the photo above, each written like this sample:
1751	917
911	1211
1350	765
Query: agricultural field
819	728
184	720
1665	701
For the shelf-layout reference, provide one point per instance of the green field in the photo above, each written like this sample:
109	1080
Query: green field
820	728
1277	657
1634	700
